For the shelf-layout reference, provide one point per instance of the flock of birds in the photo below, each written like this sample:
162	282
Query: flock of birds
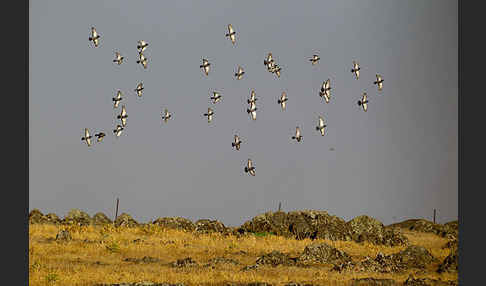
270	64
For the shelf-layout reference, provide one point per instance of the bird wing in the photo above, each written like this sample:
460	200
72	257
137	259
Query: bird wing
249	164
253	115
297	132
86	133
93	32
230	29
321	121
124	111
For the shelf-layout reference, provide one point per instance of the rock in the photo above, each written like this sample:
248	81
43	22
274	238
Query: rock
210	226
453	244
186	262
221	260
145	259
175	223
323	253
275	258
373	282
415	257
250	267
36	217
450	263
365	228
142	284
101	219
421	225
125	220
77	217
411	281
63	235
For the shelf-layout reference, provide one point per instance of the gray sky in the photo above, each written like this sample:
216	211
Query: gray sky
396	161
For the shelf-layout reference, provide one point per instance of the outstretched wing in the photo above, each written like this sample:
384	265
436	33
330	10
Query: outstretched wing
230	29
321	122
124	111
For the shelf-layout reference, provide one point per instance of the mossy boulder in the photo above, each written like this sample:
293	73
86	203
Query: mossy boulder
179	223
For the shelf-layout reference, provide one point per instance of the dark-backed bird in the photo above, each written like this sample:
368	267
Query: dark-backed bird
326	90
249	168
321	126
231	34
236	143
139	89
123	116
118	131
141	45
86	137
100	136
95	37
283	100
117	99
166	115
252	110
277	70
379	82
118	58
239	73
142	60
209	114
356	69
364	102
315	59
252	97
297	135
216	97
268	62
205	66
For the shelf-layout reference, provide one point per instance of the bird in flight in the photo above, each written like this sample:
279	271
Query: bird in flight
205	66
379	82
252	110
118	131
297	135
326	90
139	89
118	58
216	97
87	137
277	70
142	60
166	115
236	143
252	97
141	46
100	136
283	100
209	114
250	168
239	74
356	69
315	59
95	37
117	99
321	126
231	34
269	62
123	116
364	102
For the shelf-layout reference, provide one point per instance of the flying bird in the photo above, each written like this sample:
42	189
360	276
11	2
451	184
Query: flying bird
100	136
252	97
252	110
86	137
250	168
231	34
239	74
356	69
118	131
326	90
283	100
166	115
321	127
236	143
205	66
268	62
315	59
123	116
117	99
139	89
276	70
142	60
379	82
297	135
118	58
364	102
209	114
216	97
95	37
142	45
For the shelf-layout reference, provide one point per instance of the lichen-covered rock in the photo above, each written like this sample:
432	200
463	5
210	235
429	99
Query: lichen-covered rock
220	260
146	283
365	228
449	229
185	262
179	223
411	281
125	220
414	257
323	253
101	219
275	258
145	259
77	217
373	282
450	263
210	226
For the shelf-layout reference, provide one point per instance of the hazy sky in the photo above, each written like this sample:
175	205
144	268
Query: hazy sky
397	161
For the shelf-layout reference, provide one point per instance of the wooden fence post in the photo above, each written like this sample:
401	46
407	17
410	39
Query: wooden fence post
116	211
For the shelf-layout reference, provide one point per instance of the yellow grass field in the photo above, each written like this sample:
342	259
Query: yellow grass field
96	255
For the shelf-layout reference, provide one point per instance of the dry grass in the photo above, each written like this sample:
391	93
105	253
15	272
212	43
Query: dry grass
74	262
